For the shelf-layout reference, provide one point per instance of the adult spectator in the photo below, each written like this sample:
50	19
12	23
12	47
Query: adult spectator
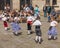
36	10
26	8
45	11
53	13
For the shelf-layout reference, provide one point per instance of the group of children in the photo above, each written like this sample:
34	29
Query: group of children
31	20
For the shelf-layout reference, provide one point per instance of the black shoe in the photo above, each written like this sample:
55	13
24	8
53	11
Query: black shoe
8	28
29	34
48	21
36	41
49	38
55	38
40	42
15	34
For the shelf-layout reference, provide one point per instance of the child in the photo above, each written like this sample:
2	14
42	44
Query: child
37	24
15	27
52	32
30	19
5	23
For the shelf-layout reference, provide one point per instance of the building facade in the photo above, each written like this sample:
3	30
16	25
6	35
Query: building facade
16	4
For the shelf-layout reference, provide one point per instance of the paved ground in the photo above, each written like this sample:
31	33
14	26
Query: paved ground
8	40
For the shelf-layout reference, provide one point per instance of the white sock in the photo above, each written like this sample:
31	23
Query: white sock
55	37
39	39
36	38
49	36
28	31
5	28
16	32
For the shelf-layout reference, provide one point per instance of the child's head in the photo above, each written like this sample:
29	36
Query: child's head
38	18
29	13
11	19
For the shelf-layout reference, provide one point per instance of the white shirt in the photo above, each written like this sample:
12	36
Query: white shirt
2	15
30	18
4	18
37	22
16	18
53	23
27	9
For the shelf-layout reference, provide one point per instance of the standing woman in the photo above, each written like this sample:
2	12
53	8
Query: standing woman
52	32
36	10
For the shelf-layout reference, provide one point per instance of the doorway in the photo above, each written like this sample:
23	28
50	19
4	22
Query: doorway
54	2
23	2
3	3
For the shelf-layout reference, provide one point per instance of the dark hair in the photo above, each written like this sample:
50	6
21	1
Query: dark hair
36	5
29	12
50	27
37	18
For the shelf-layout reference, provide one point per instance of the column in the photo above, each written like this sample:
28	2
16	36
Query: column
50	2
16	4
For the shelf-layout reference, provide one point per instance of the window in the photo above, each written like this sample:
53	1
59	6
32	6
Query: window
8	2
28	2
48	2
54	2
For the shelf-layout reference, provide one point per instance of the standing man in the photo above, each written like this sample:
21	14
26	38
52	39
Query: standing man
45	11
49	11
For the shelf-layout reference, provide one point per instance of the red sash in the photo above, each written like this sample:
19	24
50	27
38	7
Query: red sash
5	24
30	22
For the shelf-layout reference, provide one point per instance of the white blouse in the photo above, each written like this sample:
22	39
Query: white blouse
53	23
37	22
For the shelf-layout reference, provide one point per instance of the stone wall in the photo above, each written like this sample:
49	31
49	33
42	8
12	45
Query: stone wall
16	4
40	3
58	5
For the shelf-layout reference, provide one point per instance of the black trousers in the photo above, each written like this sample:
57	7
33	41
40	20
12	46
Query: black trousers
38	30
28	26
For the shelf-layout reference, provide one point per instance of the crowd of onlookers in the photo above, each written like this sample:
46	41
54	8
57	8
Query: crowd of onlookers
21	14
48	11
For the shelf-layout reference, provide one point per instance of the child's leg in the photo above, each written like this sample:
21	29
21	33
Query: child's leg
55	37
36	38
15	33
29	31
49	18
29	28
40	39
6	28
49	37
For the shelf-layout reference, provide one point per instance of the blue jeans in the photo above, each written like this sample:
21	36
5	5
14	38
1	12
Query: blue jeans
49	18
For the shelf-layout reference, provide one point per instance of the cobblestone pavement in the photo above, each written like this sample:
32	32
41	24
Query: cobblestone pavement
8	40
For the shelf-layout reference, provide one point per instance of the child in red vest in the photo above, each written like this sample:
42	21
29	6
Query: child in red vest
30	19
5	23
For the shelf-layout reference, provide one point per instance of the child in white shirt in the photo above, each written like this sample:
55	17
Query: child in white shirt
38	24
52	32
30	19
